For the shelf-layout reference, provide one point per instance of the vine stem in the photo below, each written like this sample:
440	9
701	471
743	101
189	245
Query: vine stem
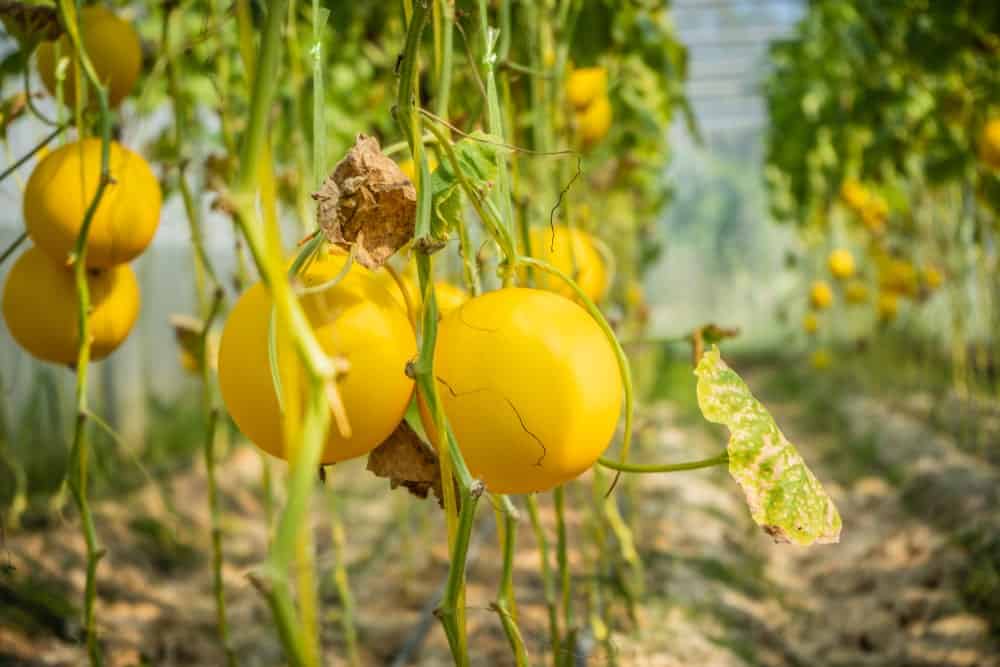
451	611
603	568
80	454
505	605
565	653
39	146
548	586
340	580
305	436
718	460
14	245
485	213
210	306
211	413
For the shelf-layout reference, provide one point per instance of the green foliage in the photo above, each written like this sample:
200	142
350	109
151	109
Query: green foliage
476	156
869	89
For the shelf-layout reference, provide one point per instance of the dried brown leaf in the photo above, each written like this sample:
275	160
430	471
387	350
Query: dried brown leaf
30	24
708	334
407	461
367	204
187	332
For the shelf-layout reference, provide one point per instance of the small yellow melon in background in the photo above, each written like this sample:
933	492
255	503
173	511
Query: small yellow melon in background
821	359
593	123
854	194
635	295
113	48
933	277
989	143
810	323
409	168
560	246
899	277
820	295
585	85
61	188
875	214
855	292
888	306
841	264
40	307
449	297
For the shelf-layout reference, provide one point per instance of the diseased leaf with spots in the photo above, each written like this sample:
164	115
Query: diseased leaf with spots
784	496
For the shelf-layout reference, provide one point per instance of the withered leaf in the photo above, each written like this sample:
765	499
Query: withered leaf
709	334
187	332
408	462
367	204
30	24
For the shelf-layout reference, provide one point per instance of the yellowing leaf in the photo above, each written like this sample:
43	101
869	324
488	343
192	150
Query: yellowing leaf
785	498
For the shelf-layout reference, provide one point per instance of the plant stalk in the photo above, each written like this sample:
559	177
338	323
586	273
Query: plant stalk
78	259
37	147
565	652
548	585
341	582
505	605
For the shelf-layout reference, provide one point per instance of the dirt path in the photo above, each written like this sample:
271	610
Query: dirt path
717	591
889	594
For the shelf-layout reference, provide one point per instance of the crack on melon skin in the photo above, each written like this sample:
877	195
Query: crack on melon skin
517	413
461	318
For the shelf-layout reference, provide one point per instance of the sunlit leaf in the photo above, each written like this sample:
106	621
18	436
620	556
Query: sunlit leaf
476	156
784	496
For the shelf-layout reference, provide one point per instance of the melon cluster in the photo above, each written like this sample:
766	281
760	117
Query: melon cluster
587	93
39	297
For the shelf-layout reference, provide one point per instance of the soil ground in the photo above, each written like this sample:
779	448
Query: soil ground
718	592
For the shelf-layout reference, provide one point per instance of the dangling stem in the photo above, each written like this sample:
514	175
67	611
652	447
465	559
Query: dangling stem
37	147
14	245
81	448
565	578
548	585
451	611
718	460
209	311
340	580
304	443
505	605
602	567
444	26
211	420
610	515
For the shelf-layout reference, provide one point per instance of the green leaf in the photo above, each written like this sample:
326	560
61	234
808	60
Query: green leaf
477	160
785	498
